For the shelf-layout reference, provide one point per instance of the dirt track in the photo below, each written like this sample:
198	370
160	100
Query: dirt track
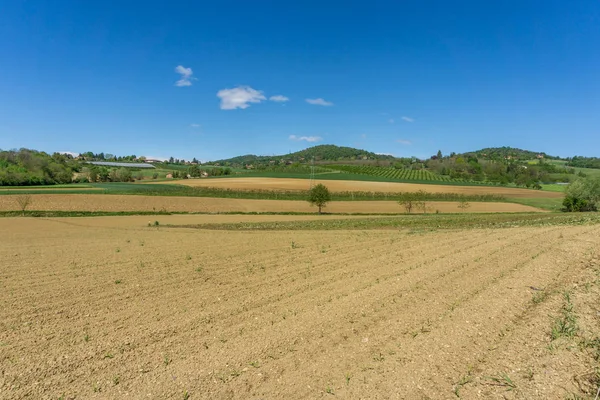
84	202
120	310
341	186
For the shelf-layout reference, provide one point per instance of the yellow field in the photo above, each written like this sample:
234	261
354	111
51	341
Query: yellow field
341	186
84	202
108	308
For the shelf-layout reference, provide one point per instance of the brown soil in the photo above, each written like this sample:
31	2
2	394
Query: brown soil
341	186
83	202
124	311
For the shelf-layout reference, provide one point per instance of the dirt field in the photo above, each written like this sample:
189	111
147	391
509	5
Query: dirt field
83	202
341	186
117	310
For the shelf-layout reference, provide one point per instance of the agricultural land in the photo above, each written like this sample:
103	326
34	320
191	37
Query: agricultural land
216	307
448	278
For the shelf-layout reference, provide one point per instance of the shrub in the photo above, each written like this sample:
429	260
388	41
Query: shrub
582	195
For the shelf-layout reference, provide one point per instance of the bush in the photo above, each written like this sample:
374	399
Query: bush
582	195
574	204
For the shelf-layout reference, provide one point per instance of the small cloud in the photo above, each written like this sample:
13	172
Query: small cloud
404	142
319	102
70	153
195	125
279	98
239	97
310	139
385	154
408	119
363	136
391	121
186	76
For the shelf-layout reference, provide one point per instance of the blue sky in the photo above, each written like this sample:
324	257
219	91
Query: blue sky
218	79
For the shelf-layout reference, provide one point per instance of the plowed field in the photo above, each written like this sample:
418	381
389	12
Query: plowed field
366	186
117	310
84	202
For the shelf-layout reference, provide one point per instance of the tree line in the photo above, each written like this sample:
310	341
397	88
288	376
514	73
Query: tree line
26	167
584	162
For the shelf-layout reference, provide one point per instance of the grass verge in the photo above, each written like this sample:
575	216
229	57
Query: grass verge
550	204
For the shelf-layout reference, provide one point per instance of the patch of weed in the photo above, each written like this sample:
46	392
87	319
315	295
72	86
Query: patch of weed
503	380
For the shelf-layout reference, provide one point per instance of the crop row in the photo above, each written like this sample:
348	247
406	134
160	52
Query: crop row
393	173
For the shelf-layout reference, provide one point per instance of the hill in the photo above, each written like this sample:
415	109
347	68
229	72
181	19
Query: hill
325	152
502	153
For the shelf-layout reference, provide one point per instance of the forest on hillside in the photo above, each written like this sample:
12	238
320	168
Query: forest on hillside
30	167
326	152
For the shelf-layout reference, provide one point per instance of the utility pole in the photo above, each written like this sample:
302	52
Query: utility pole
312	172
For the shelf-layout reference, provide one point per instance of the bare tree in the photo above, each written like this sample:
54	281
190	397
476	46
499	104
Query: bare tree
407	204
414	200
463	205
24	201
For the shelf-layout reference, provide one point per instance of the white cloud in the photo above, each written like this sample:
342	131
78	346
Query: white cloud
364	136
319	102
384	154
186	76
239	97
404	142
408	119
310	139
195	125
391	121
71	153
279	98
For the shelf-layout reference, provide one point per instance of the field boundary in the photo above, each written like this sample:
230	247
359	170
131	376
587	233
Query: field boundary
422	221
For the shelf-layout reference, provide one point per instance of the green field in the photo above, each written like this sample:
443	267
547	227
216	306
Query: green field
563	163
543	203
554	187
401	175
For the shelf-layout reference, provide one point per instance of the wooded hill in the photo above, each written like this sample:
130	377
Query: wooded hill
325	152
503	153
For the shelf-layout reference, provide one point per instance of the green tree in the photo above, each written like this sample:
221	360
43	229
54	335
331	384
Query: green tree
582	195
93	175
319	196
439	154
